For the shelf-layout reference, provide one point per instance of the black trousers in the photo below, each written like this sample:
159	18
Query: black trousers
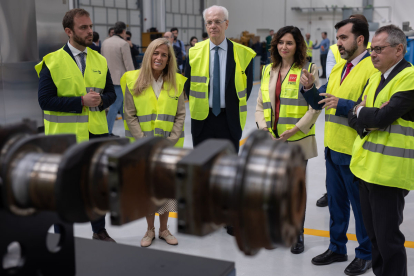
99	224
382	211
216	127
323	63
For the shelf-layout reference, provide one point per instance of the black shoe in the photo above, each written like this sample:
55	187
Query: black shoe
329	257
299	246
323	201
322	77
103	236
358	266
113	135
230	230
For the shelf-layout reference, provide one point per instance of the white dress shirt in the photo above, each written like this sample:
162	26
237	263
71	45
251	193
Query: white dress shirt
157	85
354	62
75	53
330	63
222	52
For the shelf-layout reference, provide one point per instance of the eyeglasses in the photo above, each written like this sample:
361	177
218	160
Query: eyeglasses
217	22
378	49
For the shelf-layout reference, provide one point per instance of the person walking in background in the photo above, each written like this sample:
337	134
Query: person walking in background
309	44
281	109
181	46
117	52
96	44
192	43
156	92
268	45
324	48
338	96
75	87
134	49
177	50
110	32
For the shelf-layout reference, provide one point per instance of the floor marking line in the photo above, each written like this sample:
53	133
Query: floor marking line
318	233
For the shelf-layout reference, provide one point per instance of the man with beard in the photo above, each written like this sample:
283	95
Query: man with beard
117	52
338	96
75	87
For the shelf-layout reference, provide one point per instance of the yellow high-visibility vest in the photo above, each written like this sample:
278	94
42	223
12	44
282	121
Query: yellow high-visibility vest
339	136
155	116
293	105
309	49
200	77
70	83
386	156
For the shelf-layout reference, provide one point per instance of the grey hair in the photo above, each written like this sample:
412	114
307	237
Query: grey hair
395	35
223	9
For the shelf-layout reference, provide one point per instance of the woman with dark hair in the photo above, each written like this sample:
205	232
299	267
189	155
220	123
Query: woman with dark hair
193	41
281	108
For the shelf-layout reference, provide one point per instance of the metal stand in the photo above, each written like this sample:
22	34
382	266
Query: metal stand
35	258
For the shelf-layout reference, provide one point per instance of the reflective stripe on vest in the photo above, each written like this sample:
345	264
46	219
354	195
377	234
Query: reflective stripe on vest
156	117
199	58
336	119
292	102
386	156
66	119
350	89
70	83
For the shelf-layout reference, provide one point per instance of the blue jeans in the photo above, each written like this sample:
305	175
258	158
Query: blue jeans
115	107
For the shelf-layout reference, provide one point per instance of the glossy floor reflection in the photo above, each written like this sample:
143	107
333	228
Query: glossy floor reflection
266	263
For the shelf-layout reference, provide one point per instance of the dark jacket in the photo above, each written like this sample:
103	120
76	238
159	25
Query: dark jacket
232	101
96	48
401	105
49	100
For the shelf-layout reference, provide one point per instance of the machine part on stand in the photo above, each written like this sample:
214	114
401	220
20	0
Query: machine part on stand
82	191
261	193
24	174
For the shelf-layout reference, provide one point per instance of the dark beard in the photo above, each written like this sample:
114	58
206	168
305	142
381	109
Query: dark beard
349	53
80	41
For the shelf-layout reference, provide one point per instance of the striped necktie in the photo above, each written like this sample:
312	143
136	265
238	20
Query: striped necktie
83	64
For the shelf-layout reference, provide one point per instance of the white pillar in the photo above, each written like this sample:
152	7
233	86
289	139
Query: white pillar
159	15
147	15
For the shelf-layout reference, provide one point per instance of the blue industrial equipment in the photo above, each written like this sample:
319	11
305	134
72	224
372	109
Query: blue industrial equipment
409	56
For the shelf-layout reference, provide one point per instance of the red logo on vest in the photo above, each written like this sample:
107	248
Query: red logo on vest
293	77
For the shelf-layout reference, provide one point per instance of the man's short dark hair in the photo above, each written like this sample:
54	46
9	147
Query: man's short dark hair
359	27
129	33
205	35
109	30
119	27
174	29
95	37
68	19
325	33
360	17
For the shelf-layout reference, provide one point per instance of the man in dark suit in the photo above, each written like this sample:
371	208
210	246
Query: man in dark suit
219	85
382	156
71	110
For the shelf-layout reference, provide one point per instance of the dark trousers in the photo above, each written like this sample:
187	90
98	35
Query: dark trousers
323	63
216	127
382	211
343	191
310	59
99	224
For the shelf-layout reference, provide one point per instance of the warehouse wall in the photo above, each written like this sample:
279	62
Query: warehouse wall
261	15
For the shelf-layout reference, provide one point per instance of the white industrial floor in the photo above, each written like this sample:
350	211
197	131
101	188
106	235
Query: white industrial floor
280	261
